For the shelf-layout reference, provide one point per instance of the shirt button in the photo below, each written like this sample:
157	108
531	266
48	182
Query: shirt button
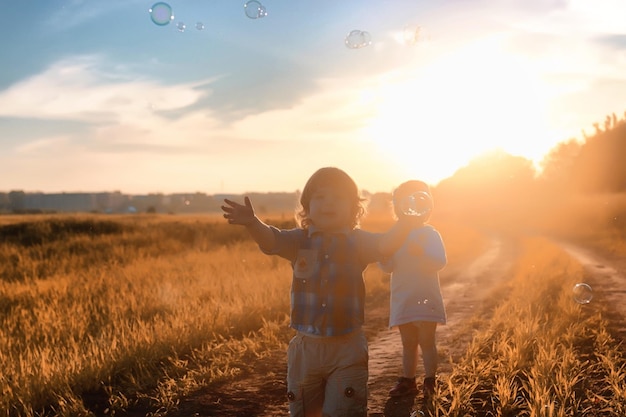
325	256
304	281
323	304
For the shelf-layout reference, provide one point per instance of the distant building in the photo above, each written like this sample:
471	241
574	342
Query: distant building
116	202
59	202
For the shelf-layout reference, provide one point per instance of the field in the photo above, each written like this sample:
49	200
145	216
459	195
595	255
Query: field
129	315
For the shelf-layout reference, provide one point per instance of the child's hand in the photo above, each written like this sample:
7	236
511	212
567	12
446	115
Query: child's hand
239	214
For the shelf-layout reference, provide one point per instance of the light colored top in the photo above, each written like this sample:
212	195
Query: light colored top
415	290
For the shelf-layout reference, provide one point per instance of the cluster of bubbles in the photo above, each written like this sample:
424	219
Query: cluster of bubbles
162	14
358	39
582	293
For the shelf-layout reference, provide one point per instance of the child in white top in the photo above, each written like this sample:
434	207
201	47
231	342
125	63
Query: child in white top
416	301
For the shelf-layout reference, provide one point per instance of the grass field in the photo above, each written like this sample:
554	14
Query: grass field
112	312
535	351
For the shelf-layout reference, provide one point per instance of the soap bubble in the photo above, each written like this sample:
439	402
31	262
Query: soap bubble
161	13
583	293
411	34
417	204
200	26
357	39
254	9
181	26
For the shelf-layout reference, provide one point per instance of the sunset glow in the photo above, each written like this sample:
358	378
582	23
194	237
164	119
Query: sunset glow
156	109
475	100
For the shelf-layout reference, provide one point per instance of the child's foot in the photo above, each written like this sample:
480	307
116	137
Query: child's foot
429	387
404	386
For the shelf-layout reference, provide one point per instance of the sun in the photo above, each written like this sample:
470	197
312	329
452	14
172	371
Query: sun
433	118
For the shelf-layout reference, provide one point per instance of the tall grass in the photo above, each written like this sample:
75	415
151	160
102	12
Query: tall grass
111	313
538	352
120	311
138	311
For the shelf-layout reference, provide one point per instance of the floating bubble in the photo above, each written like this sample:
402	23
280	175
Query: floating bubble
254	9
357	39
181	26
583	293
411	34
200	26
417	204
161	13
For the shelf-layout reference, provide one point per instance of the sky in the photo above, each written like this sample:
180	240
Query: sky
95	97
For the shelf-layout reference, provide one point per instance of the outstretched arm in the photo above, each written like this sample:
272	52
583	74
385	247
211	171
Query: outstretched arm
244	215
393	239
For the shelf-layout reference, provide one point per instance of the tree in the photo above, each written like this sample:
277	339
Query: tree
496	188
558	164
600	166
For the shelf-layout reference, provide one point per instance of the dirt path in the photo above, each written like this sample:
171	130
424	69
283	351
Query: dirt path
261	390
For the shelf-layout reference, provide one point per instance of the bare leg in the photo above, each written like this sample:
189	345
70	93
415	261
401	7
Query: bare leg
409	334
428	345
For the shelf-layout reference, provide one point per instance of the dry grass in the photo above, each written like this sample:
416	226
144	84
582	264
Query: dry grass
538	353
141	309
116	312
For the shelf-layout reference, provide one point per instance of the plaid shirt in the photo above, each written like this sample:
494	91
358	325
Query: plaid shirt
327	290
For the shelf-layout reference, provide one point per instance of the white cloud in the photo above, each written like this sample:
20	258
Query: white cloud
537	59
335	111
601	16
122	109
579	19
76	89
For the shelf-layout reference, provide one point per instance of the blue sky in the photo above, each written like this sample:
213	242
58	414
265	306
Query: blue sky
95	97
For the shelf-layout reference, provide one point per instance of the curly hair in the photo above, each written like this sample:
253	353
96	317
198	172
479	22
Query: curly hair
338	179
